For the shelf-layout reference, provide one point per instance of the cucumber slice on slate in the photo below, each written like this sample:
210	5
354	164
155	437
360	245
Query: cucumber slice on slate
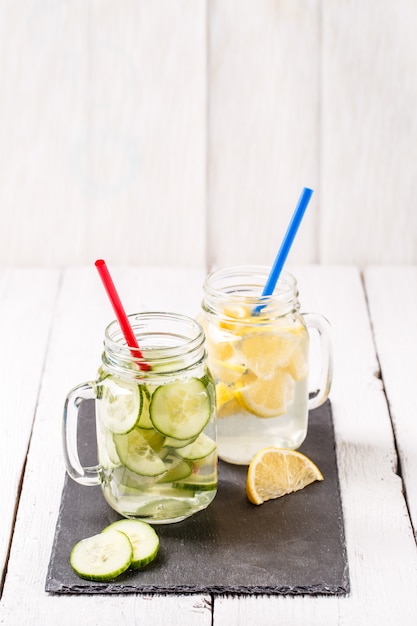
144	540
103	556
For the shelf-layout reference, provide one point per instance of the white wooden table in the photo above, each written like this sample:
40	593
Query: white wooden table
52	325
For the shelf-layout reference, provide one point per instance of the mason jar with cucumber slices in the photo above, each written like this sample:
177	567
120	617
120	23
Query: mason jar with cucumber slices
155	421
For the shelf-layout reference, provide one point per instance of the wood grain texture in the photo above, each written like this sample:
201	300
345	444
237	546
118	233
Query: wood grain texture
173	132
103	132
27	300
369	132
263	128
392	294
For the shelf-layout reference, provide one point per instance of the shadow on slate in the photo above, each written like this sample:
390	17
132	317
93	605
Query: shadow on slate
292	545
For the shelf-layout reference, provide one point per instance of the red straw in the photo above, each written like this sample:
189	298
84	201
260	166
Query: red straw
120	312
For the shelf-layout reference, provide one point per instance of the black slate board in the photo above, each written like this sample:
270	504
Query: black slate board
292	545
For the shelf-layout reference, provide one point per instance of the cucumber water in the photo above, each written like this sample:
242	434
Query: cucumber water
157	445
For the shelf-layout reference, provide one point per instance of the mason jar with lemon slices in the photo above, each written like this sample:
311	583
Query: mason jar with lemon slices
258	354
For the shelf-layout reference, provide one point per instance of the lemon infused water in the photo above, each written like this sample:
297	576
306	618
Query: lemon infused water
258	350
155	420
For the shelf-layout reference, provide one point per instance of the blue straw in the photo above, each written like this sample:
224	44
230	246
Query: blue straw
286	245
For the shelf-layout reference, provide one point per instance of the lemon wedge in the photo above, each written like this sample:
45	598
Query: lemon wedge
226	371
226	403
232	315
275	472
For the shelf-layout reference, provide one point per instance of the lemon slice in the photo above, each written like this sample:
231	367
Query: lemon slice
229	408
226	402
265	397
232	315
275	472
224	394
262	352
223	359
219	349
226	371
298	365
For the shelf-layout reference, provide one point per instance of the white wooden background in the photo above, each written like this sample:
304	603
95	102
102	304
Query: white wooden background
181	132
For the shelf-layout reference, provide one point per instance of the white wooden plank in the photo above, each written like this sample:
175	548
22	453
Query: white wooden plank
381	548
74	354
103	132
369	132
392	295
26	309
42	114
262	127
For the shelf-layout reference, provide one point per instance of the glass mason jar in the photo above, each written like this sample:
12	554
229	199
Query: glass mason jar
258	350
155	421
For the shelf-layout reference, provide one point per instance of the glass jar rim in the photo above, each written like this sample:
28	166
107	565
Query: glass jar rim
230	278
177	344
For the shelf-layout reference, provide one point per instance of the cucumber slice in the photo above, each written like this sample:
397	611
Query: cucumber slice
195	482
199	449
111	449
137	455
144	419
155	439
144	540
158	490
120	405
171	509
204	476
167	491
180	409
171	442
124	480
194	486
176	469
103	556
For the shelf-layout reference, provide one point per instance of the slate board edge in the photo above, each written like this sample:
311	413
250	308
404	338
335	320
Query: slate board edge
178	590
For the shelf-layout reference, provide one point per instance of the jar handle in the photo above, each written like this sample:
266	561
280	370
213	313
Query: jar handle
83	475
321	324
